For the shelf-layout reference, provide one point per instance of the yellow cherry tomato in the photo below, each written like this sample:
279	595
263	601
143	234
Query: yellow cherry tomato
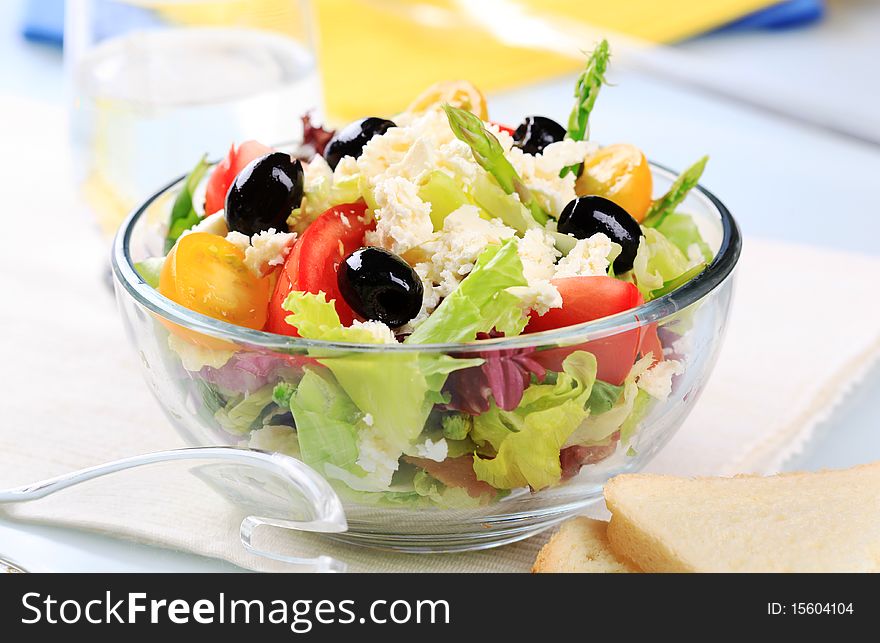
207	274
458	93
619	173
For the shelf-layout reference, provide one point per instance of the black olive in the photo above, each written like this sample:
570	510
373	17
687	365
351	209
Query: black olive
264	193
381	286
586	215
350	140
537	132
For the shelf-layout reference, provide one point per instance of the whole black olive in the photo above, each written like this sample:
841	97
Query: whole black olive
537	132
264	193
381	286
586	215
350	140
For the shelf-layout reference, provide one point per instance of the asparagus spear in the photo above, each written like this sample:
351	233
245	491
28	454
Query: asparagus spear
586	90
489	154
666	204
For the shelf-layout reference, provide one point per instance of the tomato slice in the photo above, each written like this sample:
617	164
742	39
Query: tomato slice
314	260
585	299
207	274
620	173
225	171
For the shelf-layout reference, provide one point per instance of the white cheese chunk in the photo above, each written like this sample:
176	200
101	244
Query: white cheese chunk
540	296
430	450
212	224
538	254
403	220
378	330
264	250
454	252
588	258
657	380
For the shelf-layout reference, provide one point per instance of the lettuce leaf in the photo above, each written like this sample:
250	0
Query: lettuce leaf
244	413
682	231
657	262
527	440
499	204
150	270
603	397
326	423
396	390
599	426
316	318
481	302
444	195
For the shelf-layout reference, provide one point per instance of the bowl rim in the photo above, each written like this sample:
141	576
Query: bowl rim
717	272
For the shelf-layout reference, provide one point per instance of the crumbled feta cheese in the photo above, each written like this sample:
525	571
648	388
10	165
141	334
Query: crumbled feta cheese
415	148
430	299
268	249
377	458
657	380
403	220
239	240
540	173
212	224
538	254
318	181
368	419
436	451
264	250
588	258
454	252
540	296
378	330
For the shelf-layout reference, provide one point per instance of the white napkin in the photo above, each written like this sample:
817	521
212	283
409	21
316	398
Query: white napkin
803	331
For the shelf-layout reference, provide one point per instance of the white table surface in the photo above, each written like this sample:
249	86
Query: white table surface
781	178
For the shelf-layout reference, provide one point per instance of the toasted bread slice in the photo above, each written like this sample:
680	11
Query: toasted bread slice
580	545
827	521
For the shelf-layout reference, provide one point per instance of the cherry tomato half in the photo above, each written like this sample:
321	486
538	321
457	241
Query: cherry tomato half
314	261
585	299
620	173
207	274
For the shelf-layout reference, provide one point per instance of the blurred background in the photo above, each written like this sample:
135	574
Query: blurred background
120	96
780	94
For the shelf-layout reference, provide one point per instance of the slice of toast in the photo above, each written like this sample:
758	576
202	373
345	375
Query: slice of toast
580	545
827	521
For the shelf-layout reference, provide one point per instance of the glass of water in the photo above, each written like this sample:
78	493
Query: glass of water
155	84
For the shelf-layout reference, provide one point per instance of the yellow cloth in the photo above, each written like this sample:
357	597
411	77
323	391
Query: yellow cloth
377	55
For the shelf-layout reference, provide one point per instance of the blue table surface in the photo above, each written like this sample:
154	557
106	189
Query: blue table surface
781	178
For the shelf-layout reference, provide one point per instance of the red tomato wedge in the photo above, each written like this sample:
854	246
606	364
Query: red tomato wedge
226	170
585	299
314	260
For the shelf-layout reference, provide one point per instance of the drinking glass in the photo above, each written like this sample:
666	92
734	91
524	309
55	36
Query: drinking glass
156	84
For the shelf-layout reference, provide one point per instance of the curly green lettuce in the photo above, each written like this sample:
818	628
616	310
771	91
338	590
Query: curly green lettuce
526	441
481	302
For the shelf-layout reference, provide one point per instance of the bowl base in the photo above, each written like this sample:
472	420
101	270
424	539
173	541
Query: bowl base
492	533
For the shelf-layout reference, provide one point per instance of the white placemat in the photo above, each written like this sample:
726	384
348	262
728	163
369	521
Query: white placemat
803	331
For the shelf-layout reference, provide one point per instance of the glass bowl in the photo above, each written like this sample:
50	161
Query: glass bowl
235	399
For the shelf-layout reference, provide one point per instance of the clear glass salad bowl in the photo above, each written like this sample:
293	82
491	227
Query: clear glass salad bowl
231	402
